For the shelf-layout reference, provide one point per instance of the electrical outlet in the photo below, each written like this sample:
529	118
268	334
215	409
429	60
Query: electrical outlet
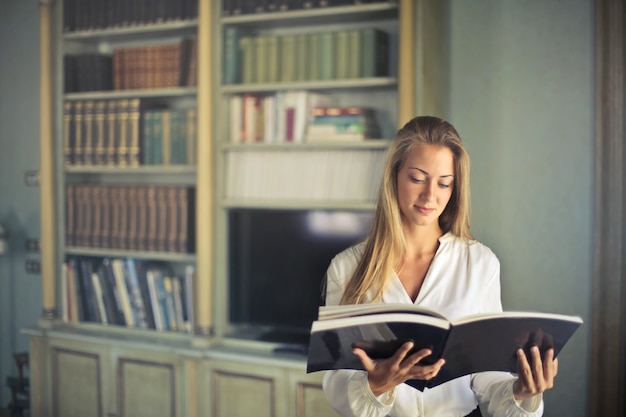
32	244
32	178
33	266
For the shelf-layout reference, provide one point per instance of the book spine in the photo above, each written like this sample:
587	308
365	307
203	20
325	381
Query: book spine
100	133
123	145
78	133
68	133
134	131
173	216
70	214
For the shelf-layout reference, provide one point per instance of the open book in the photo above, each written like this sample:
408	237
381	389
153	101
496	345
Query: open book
470	344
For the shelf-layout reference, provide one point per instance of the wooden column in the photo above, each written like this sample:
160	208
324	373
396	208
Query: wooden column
46	164
608	328
204	185
406	61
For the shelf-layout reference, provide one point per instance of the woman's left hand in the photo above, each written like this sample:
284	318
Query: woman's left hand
535	377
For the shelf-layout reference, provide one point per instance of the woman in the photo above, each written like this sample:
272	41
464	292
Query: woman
420	251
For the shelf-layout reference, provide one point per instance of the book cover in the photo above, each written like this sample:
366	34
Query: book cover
472	344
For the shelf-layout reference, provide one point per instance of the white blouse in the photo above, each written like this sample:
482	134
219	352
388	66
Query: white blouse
462	279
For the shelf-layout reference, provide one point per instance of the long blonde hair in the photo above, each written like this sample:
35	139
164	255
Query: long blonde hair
385	244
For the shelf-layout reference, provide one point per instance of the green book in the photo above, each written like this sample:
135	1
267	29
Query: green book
375	50
288	58
327	59
232	55
273	58
148	138
157	137
355	50
260	45
248	57
302	57
314	54
342	54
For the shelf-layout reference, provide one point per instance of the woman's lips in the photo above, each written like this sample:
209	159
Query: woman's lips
424	210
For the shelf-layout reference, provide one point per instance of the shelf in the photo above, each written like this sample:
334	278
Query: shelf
305	146
300	205
120	253
135	32
320	15
144	93
351	83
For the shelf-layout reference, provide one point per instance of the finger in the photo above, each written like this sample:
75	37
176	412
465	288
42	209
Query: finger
401	353
537	369
524	373
416	357
548	368
368	363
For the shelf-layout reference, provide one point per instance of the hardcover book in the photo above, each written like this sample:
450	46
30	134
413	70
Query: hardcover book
471	344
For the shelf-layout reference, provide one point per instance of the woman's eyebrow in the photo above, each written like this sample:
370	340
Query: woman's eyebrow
426	173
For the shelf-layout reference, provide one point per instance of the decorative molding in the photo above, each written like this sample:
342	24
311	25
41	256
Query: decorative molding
608	328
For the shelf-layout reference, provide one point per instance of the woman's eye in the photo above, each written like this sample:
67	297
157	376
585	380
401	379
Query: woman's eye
417	180
444	185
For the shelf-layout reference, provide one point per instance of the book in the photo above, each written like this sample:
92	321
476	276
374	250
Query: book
477	343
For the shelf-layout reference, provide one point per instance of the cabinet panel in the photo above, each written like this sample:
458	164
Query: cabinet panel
307	397
76	389
146	388
239	389
243	395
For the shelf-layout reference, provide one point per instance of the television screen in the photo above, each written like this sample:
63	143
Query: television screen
277	263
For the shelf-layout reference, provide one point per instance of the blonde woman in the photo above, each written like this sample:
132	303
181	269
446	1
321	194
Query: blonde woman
420	251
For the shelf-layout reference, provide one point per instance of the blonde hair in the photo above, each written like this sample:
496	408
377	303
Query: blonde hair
385	244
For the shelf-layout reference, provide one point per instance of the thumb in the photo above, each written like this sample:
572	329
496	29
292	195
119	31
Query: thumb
367	362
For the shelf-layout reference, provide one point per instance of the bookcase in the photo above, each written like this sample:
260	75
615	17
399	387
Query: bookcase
210	168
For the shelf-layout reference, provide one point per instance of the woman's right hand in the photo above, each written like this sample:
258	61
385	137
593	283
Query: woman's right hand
384	374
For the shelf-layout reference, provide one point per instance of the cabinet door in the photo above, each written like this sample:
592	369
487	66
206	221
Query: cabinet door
78	379
245	389
306	398
148	383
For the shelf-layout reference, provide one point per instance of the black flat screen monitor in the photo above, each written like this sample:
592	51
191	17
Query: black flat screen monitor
277	263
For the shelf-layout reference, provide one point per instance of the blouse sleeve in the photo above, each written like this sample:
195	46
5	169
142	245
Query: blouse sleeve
348	391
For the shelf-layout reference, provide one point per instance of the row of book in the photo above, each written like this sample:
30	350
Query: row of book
298	116
127	292
85	15
238	7
341	54
138	67
275	118
130	217
311	175
126	133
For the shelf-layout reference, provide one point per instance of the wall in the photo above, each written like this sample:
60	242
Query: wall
521	96
20	293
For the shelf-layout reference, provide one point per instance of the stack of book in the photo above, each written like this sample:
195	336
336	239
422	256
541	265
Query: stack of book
343	124
127	292
132	217
356	53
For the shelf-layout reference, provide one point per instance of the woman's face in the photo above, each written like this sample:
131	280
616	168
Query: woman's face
425	184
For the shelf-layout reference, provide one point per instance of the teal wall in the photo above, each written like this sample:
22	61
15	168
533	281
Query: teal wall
20	293
521	96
